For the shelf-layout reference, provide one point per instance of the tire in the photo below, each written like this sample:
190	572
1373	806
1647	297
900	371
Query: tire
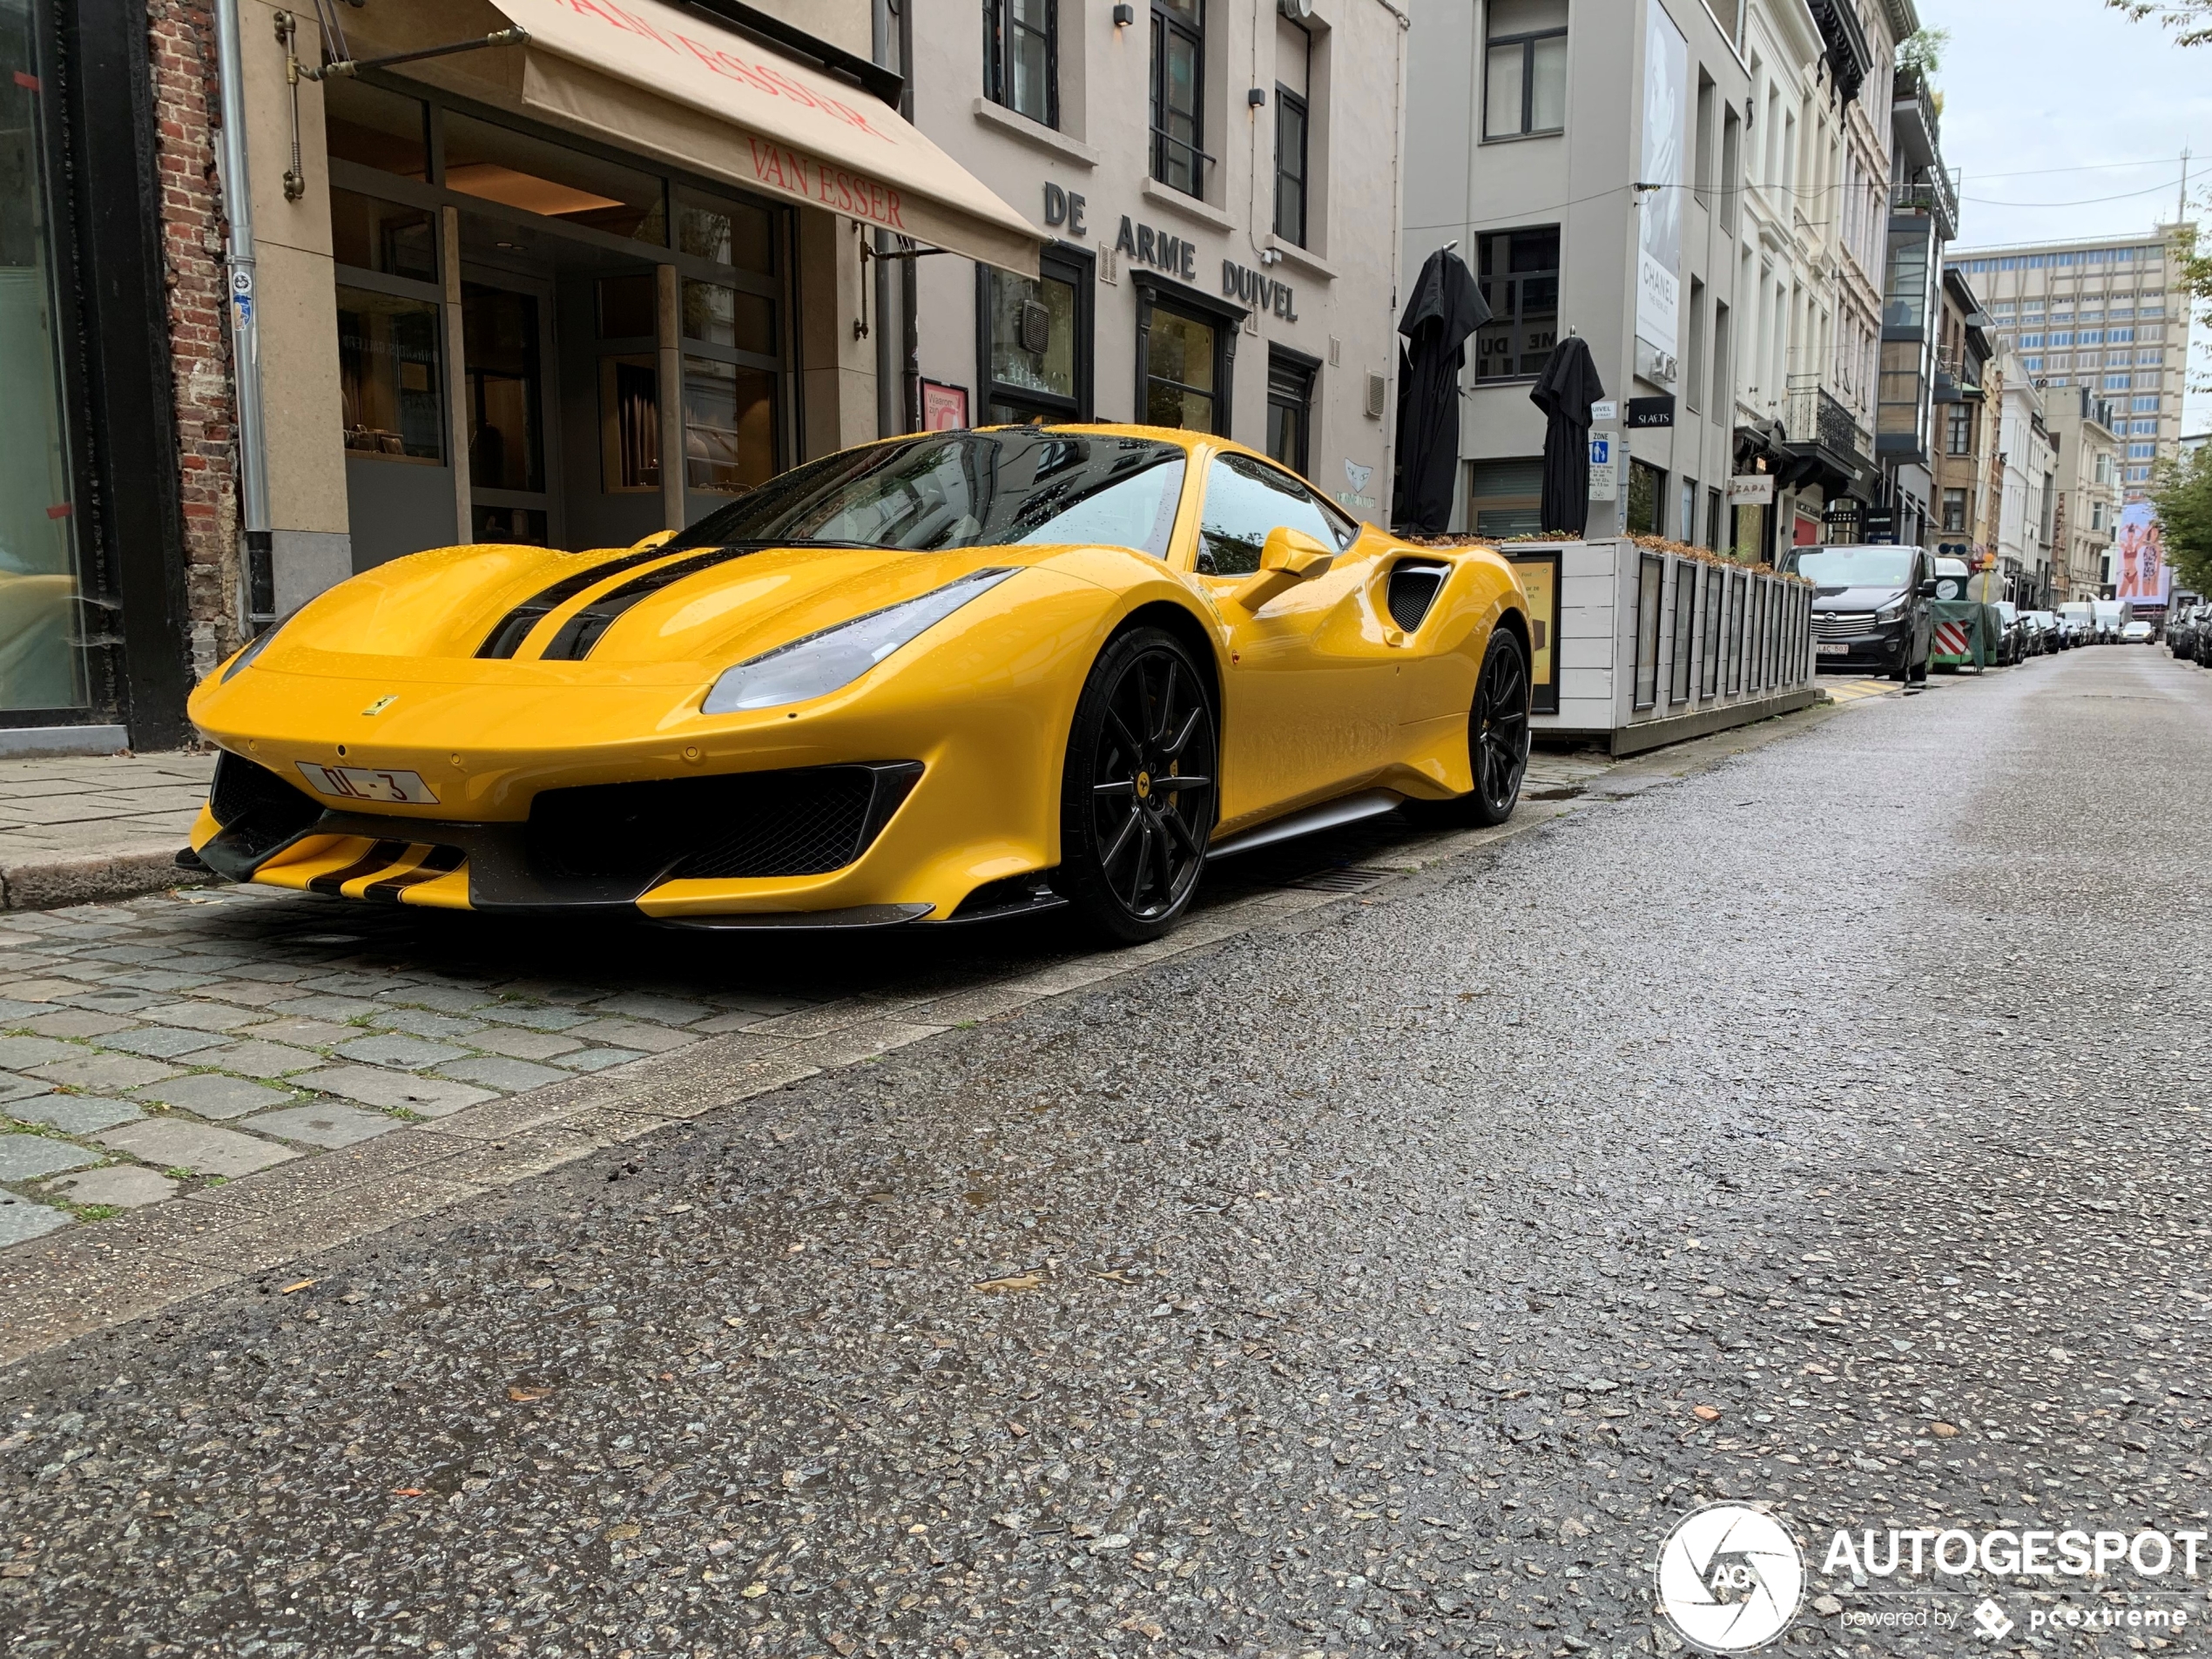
1919	676
1497	730
1137	795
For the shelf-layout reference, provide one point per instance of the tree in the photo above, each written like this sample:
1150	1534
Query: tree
2195	269
2190	20
2182	491
1923	51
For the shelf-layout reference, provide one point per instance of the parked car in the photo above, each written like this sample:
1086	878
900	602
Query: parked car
2012	633
2112	617
2135	633
2046	627
2185	634
1870	607
2079	622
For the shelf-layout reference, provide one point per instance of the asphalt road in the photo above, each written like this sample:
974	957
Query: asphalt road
1387	1281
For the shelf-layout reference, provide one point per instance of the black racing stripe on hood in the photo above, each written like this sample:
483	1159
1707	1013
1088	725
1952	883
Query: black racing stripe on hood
585	629
515	627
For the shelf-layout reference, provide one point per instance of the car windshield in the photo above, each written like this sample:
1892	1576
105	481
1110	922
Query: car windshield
1851	567
941	491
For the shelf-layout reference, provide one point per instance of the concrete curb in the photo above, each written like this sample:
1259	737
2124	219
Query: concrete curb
98	877
84	1279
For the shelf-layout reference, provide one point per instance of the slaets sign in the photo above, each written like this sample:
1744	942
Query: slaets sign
776	167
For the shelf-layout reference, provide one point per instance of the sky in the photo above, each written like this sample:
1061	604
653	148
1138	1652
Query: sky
2031	87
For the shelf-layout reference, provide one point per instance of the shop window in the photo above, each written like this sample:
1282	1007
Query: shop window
42	661
729	425
384	237
630	422
732	233
1506	498
1519	271
390	387
1685	622
1183	371
1246	501
505	376
496	164
1021	57
1178	103
374	128
628	307
1646	498
1290	408
1524	86
1036	336
1291	126
729	317
1651	572
513	526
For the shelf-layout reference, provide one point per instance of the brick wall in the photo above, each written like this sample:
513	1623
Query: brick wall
187	105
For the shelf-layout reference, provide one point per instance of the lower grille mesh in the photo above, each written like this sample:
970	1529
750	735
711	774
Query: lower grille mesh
257	808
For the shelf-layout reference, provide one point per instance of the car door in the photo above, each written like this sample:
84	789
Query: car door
1310	698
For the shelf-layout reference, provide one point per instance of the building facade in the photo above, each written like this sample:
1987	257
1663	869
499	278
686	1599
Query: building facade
2027	492
2106	313
1964	437
1540	127
1219	184
1923	216
2086	460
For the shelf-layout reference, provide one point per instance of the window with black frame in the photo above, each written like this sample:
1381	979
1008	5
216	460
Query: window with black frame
1178	105
1709	679
1289	407
1519	271
1290	166
1651	572
1037	336
1021	57
1684	620
1185	355
1524	79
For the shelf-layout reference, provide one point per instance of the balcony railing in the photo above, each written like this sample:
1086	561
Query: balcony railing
1935	197
1811	414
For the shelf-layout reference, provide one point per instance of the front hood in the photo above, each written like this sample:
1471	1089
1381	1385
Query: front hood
514	615
1854	598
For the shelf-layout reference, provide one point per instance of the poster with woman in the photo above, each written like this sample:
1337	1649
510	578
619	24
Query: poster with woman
2139	557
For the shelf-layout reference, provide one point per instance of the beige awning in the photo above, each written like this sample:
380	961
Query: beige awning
647	77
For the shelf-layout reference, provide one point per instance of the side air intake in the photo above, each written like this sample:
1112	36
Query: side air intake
1414	584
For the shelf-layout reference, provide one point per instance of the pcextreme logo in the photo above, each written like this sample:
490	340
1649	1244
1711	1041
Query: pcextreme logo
1730	1577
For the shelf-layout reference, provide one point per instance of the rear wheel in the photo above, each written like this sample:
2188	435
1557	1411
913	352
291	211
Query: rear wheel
1497	730
1136	798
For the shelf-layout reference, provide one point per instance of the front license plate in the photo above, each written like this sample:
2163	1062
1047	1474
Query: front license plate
1824	650
365	783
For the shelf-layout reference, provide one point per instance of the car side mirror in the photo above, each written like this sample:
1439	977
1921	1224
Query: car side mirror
1928	589
1286	558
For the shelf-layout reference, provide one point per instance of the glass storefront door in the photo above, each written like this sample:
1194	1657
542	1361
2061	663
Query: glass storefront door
505	346
41	660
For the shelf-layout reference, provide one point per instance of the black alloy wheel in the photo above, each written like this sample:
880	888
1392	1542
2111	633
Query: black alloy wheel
1137	796
1497	730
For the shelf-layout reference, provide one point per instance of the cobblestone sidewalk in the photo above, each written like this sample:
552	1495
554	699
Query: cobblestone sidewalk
80	827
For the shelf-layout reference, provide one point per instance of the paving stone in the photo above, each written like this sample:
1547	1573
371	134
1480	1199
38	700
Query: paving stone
72	1113
206	1095
628	1034
522	1045
722	1022
77	1023
430	1097
157	979
258	1059
162	1042
30	1157
20	1054
21	1219
115	1001
125	1186
417	1022
317	1033
447	999
15	1088
535	1019
325	1123
200	1016
348	984
662	1010
598	1059
396	1048
496	1071
247	993
85	1069
11	1011
324	1008
173	1143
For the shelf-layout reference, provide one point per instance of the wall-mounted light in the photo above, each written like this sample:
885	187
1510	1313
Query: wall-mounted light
1124	15
1256	96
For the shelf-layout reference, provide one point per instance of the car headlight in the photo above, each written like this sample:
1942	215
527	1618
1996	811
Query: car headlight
255	647
823	661
1890	611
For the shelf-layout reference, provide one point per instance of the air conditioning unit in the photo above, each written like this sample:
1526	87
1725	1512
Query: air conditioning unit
1035	327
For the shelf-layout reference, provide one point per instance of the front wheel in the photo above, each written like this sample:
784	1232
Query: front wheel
1497	730
1136	797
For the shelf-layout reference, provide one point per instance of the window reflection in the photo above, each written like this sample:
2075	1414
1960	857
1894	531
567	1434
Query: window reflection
388	376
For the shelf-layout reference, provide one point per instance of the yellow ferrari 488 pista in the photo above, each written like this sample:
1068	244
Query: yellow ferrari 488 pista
941	677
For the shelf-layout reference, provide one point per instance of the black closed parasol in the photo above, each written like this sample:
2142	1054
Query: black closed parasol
1564	392
1445	306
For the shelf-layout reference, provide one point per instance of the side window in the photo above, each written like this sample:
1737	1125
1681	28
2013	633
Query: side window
1245	500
